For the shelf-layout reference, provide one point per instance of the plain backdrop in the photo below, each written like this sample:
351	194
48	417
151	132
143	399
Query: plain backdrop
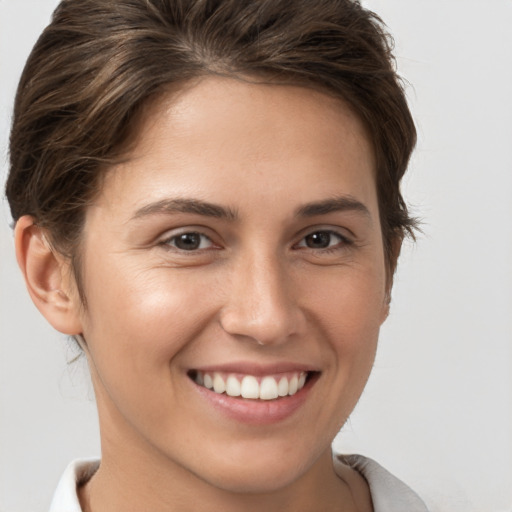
438	408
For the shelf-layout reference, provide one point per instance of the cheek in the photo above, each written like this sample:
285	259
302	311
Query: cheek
137	326
349	303
144	318
349	309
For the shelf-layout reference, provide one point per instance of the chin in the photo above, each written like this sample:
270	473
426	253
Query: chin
255	473
255	480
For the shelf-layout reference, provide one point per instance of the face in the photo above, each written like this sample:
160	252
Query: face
239	247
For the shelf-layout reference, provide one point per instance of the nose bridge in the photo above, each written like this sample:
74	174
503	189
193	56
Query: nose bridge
261	305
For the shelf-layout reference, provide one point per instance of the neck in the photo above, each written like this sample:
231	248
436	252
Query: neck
126	485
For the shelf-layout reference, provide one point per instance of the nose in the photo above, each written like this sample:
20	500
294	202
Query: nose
262	305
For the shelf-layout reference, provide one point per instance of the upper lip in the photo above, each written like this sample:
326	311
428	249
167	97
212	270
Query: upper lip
251	368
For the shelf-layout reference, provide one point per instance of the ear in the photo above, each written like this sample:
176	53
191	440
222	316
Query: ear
48	277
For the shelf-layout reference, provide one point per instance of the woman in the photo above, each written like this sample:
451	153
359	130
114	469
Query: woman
206	196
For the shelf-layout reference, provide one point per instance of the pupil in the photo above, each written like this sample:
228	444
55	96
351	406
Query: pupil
319	240
188	241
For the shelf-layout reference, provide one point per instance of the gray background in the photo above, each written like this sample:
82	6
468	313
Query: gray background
438	408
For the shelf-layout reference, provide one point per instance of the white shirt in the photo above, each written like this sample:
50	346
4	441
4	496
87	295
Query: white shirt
389	494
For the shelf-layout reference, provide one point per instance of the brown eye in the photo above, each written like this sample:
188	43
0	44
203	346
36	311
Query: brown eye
318	240
190	241
323	240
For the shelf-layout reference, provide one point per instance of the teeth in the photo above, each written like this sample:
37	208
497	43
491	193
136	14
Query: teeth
292	387
250	387
219	386
282	387
267	388
208	382
233	386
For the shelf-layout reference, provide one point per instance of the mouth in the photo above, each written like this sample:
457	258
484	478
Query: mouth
251	387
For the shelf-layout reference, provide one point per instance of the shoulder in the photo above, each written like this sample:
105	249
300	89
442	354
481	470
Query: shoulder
388	493
78	472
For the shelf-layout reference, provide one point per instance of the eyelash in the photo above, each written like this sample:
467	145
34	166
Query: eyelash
343	241
168	242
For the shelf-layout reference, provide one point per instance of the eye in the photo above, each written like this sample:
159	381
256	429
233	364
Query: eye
323	240
190	241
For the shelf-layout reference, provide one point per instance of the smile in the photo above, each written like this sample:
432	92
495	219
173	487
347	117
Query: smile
266	387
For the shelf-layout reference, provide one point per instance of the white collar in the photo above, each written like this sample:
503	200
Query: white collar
79	471
389	494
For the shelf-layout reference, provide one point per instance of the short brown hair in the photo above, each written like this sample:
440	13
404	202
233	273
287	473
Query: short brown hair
100	61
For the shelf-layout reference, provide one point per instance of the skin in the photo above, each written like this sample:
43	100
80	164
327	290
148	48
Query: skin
254	291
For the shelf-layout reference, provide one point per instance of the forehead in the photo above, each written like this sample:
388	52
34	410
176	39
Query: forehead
225	137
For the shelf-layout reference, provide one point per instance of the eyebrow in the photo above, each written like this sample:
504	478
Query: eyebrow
206	209
335	204
183	205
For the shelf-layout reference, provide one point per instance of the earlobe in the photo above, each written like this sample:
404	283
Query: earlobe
47	277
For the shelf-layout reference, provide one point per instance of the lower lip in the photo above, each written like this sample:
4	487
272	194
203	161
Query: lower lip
257	412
